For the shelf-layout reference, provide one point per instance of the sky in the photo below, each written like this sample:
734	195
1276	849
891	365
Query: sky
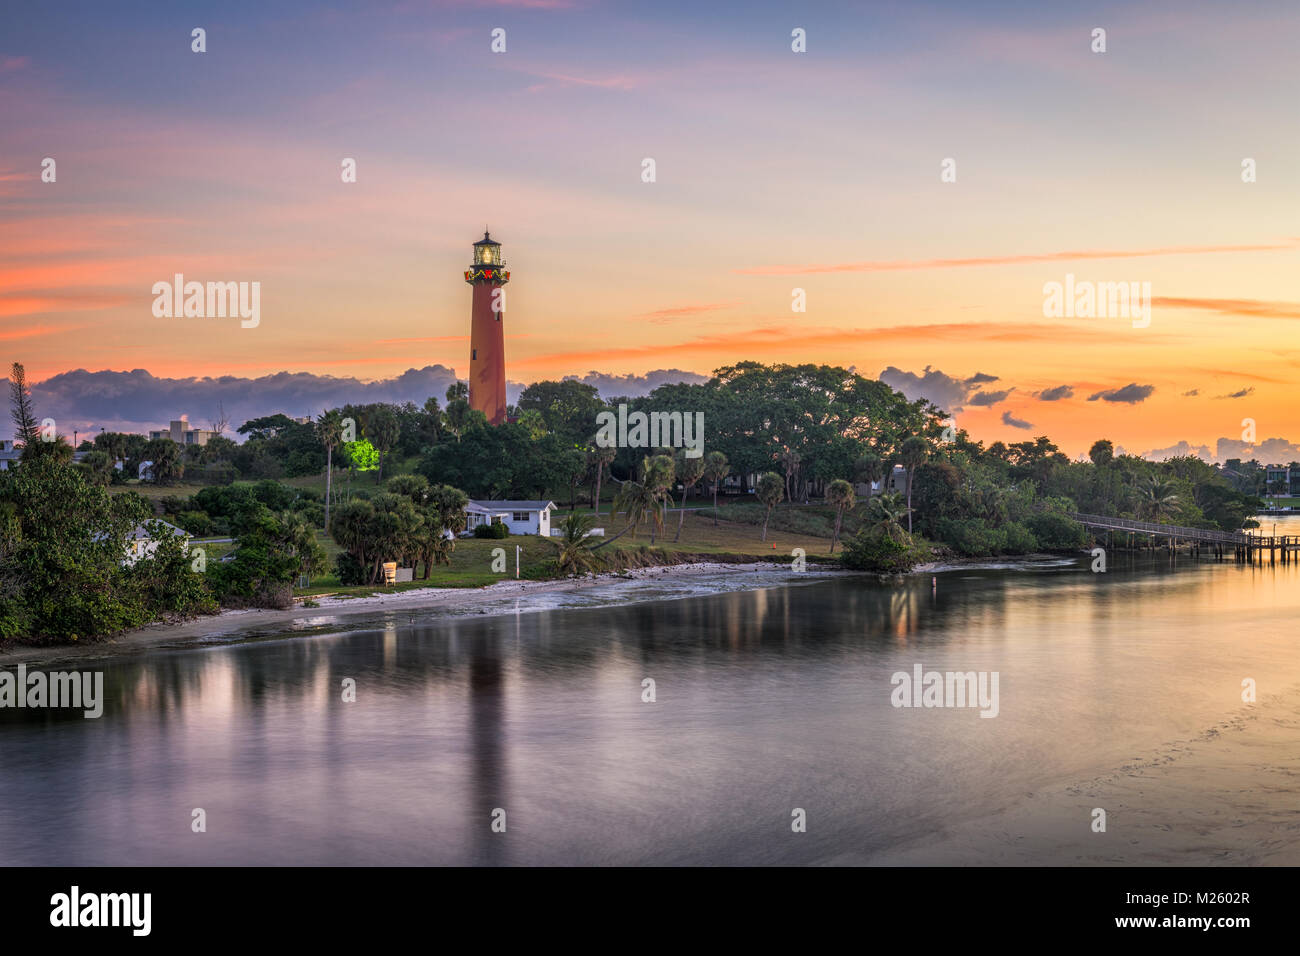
774	171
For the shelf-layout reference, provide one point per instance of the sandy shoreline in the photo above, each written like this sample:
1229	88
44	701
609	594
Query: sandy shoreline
231	626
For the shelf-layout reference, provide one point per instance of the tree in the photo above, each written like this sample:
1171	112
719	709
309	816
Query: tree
1102	452
569	408
221	422
886	513
912	453
869	469
715	469
26	429
430	421
350	529
298	539
329	426
839	493
456	416
394	531
98	468
268	554
639	499
381	430
62	554
598	460
573	464
576	555
433	538
444	517
168	464
770	491
1157	497
689	472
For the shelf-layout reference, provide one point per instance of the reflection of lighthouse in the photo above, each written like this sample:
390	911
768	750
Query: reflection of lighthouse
487	339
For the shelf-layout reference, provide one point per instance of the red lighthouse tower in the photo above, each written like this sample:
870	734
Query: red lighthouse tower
487	339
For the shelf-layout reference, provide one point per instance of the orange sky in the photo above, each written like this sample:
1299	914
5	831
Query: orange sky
1116	167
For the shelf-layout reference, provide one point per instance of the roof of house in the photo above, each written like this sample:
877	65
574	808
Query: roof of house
496	507
140	531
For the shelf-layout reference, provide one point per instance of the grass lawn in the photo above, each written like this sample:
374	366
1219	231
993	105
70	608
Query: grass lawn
471	562
471	567
737	532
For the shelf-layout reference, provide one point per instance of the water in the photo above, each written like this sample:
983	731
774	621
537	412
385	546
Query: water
767	700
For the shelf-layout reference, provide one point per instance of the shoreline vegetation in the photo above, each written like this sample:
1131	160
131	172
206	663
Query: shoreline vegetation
810	466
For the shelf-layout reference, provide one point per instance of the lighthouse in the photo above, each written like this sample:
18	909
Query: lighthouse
487	339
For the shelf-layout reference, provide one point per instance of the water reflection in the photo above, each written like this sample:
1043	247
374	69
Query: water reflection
766	700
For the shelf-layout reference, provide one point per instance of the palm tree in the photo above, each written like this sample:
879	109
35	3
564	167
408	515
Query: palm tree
299	539
911	454
770	491
659	477
886	512
168	464
1158	497
715	469
599	459
869	469
575	555
689	473
790	460
639	499
840	494
329	426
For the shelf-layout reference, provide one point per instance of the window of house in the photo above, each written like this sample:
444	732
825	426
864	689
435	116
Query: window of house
473	354
519	516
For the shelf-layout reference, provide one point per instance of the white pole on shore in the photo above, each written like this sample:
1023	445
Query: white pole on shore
517	550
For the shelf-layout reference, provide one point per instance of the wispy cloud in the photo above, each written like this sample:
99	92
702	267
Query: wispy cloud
1268	310
682	311
1054	394
985	399
903	265
1130	394
1009	419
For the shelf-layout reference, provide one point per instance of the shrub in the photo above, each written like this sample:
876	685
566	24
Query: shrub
1019	539
870	550
196	523
349	570
972	537
496	529
1056	532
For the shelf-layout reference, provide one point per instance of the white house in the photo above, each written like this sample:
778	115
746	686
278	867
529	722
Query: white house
9	455
521	517
895	481
140	543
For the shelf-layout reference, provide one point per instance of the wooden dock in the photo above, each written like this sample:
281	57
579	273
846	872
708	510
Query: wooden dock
1148	535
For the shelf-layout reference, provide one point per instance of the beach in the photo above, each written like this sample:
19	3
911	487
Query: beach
334	613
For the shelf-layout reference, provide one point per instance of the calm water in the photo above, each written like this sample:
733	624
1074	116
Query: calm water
766	700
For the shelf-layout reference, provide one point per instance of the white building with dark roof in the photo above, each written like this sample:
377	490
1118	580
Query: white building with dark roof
521	517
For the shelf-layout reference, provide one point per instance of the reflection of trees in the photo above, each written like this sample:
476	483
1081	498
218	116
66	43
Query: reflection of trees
840	614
